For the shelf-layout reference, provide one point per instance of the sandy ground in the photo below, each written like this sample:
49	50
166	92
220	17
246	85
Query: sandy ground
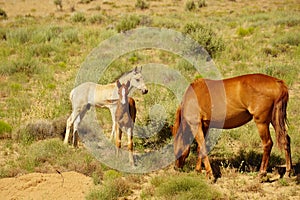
68	185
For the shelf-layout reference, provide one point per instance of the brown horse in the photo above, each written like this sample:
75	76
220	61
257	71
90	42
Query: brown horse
125	118
231	103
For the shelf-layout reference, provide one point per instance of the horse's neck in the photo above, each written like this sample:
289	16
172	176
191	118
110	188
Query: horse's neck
126	78
122	109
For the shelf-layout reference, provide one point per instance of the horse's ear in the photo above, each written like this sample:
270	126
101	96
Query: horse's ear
135	70
128	84
118	84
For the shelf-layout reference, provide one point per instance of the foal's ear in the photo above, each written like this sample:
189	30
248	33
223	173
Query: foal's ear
118	84
128	84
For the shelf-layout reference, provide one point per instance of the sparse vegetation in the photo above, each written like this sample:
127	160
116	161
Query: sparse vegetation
41	53
141	4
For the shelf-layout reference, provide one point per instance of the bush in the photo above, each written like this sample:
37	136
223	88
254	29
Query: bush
78	17
183	186
58	4
5	130
245	31
111	190
3	14
127	23
201	3
96	19
206	37
141	4
190	5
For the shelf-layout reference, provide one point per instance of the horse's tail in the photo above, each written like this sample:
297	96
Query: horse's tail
279	116
132	108
177	123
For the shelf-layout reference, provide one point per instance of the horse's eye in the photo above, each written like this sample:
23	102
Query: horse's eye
137	80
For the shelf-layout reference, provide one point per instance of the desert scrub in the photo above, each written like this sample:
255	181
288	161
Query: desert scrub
242	32
111	189
3	14
5	130
141	4
78	17
182	186
190	5
128	22
206	37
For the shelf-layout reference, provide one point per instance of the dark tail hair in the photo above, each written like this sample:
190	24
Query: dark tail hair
279	117
177	121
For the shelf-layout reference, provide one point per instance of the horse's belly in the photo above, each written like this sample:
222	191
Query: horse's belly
232	121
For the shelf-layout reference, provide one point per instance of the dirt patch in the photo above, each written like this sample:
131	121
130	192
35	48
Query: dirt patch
67	185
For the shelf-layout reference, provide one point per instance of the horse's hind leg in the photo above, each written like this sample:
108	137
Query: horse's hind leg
113	118
202	152
69	124
75	131
264	133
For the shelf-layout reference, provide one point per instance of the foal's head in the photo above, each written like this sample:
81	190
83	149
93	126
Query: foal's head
123	92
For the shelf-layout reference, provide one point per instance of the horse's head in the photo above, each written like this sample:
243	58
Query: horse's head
123	91
137	80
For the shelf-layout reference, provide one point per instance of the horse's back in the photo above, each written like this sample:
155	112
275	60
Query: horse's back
234	100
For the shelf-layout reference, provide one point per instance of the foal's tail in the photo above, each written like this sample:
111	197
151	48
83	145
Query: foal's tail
177	121
279	116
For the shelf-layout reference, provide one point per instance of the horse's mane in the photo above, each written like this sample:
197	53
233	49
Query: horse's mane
125	74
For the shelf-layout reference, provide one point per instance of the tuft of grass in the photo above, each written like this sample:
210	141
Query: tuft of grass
190	5
5	130
182	186
242	32
110	190
3	14
141	4
78	17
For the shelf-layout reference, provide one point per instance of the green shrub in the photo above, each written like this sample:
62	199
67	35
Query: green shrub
242	32
3	14
190	5
290	38
5	130
183	186
19	35
201	3
206	37
96	19
110	190
78	17
141	4
127	23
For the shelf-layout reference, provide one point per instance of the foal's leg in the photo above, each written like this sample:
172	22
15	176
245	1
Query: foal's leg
264	133
130	145
118	138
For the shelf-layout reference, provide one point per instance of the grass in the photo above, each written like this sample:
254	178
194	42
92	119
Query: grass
40	57
181	186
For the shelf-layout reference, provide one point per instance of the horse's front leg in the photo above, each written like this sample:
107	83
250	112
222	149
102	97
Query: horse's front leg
118	138
130	145
113	118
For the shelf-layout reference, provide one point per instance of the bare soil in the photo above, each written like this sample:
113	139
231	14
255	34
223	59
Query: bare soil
67	185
